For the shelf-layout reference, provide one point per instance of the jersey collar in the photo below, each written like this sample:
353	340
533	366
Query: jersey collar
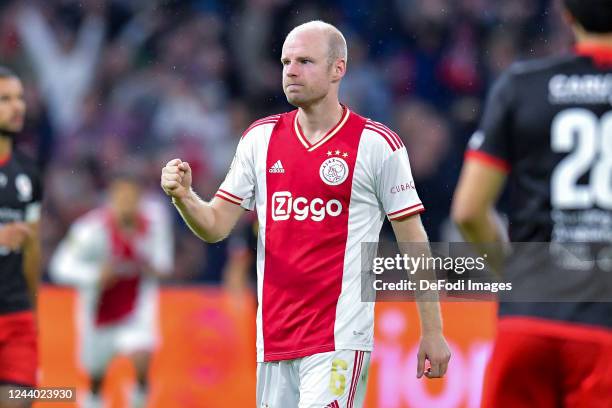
601	54
331	133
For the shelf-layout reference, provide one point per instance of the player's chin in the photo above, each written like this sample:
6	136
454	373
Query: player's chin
294	99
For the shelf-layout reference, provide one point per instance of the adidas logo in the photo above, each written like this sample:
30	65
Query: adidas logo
277	167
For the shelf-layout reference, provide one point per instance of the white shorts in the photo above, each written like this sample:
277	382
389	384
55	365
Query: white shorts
336	379
136	332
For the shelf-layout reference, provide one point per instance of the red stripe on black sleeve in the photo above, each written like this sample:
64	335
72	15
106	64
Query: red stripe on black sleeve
488	159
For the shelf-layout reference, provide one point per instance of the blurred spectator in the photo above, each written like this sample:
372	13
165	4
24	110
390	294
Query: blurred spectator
64	62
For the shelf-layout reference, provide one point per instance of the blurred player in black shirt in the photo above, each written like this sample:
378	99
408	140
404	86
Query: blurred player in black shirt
20	200
547	128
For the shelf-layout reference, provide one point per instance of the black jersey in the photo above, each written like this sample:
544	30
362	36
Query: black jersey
20	199
548	124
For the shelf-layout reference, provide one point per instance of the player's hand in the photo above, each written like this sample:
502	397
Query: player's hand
14	235
433	348
176	179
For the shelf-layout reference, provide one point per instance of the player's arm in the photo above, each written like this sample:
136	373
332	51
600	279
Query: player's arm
473	208
32	259
24	237
211	221
488	159
433	346
487	163
391	165
75	261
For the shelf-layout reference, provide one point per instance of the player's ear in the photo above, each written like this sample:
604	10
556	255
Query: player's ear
338	69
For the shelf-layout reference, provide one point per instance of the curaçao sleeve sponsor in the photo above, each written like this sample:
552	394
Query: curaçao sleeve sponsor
395	186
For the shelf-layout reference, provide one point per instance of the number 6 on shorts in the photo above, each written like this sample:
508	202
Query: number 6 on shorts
337	378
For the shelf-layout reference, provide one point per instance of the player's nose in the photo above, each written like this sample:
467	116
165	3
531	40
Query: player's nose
291	69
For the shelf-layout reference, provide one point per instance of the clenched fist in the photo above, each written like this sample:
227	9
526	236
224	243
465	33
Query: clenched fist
176	179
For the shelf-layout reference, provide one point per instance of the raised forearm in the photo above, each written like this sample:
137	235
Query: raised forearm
211	221
201	217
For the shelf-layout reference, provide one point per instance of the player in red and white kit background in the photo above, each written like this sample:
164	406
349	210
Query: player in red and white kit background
20	201
115	256
322	179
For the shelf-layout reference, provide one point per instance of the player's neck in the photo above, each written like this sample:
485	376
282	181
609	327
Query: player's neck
317	120
6	147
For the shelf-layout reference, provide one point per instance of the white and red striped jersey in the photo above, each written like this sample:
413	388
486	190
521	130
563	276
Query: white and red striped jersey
316	204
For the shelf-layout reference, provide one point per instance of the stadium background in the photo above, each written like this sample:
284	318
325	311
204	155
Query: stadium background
138	82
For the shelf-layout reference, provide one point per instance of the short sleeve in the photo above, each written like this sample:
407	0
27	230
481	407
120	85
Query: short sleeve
395	187
491	142
239	184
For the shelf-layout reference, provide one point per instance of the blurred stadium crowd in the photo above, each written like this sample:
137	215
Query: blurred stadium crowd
138	82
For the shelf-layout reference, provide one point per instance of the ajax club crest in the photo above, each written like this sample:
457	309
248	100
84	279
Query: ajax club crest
334	171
